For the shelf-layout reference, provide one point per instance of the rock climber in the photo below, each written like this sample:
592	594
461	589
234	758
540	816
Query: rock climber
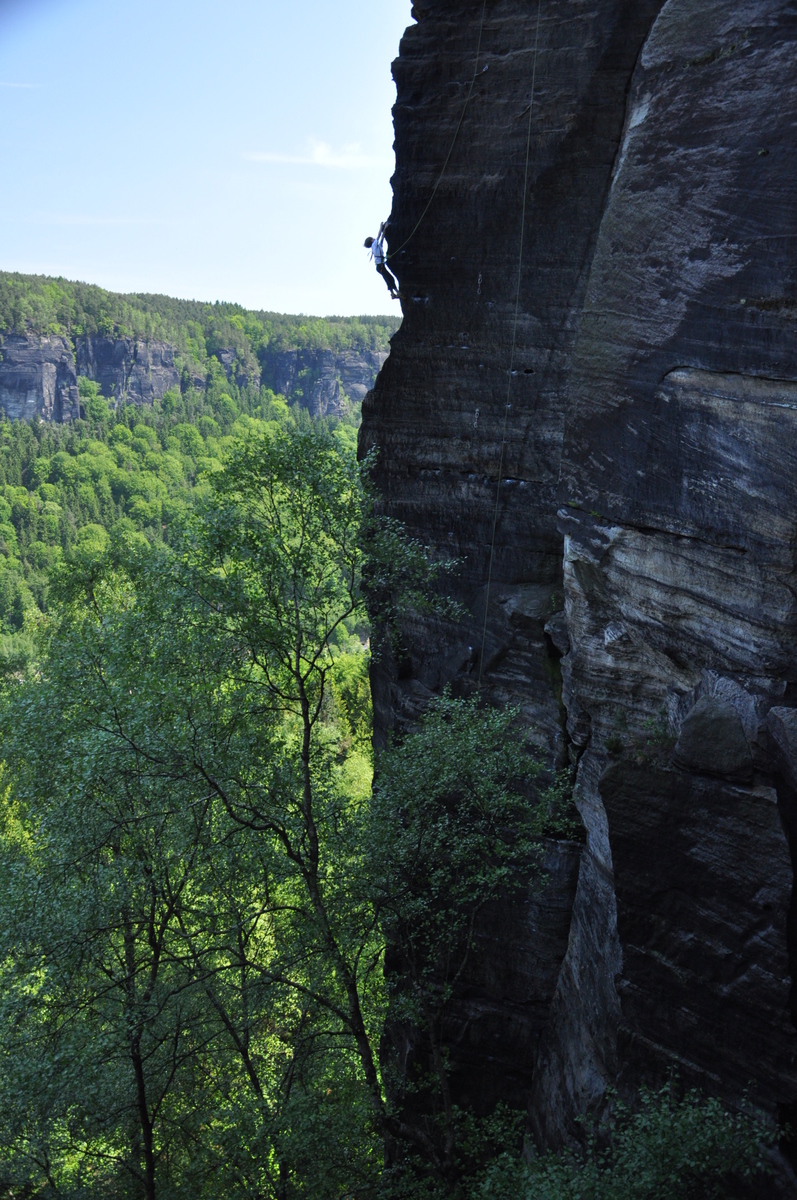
379	255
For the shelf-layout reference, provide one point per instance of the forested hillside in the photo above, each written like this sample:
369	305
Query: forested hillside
136	347
42	305
133	467
137	465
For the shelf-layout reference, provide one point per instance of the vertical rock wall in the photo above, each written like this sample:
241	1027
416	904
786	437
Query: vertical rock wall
323	381
680	433
652	410
128	369
37	377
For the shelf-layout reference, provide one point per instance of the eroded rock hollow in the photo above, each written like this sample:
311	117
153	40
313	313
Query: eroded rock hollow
625	479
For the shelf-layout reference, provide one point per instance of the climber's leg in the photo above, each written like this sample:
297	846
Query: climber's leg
391	282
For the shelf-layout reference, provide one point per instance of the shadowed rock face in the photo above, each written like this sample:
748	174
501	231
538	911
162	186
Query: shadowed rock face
705	980
654	406
494	1024
438	410
680	595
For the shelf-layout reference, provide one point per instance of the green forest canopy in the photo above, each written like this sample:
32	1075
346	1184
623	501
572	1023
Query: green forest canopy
131	467
57	307
138	465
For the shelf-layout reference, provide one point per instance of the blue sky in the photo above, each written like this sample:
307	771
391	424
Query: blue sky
237	150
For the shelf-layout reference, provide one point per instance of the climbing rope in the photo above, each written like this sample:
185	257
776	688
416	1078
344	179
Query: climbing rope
419	222
514	343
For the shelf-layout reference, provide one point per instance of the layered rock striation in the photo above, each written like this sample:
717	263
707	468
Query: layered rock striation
620	487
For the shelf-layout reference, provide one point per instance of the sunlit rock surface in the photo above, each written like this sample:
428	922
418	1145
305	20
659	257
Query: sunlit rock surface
128	368
38	375
37	378
323	381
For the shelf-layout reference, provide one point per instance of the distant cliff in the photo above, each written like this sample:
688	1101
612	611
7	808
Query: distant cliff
322	378
624	506
139	347
37	378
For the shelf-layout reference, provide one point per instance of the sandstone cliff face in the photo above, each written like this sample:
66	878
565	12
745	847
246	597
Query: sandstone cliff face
645	511
321	380
128	369
38	375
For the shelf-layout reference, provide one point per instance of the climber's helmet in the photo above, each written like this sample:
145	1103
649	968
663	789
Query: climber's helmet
368	243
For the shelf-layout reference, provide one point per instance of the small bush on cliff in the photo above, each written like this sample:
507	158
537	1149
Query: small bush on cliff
673	1148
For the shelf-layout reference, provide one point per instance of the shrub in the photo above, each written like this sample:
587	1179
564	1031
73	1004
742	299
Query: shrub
674	1147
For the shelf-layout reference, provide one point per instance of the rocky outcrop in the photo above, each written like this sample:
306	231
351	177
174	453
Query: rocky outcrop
621	489
679	431
322	381
38	375
510	983
240	366
37	378
128	369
